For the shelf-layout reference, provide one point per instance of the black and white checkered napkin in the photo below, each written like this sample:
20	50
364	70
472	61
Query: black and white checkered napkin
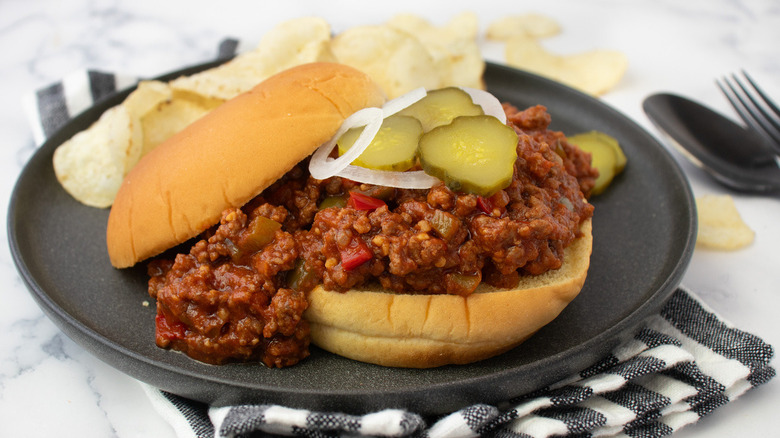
681	365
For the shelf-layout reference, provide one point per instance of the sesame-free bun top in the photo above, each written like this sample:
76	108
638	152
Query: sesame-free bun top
229	156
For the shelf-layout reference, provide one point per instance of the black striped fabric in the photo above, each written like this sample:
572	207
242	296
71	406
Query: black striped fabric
227	49
101	84
52	108
651	386
194	413
682	364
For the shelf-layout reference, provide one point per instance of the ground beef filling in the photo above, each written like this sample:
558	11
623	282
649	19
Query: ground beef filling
240	292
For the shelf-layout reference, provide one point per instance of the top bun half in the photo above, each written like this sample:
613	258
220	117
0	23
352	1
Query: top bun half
230	155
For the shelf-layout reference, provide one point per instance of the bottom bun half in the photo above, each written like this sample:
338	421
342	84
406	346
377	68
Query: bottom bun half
423	331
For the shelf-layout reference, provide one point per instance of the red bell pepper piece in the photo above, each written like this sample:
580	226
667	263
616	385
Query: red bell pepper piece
168	329
360	201
484	205
355	254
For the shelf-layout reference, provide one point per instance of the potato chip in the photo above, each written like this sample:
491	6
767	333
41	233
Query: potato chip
594	72
411	24
291	43
206	102
396	60
453	47
530	25
91	165
466	24
462	26
167	119
145	98
720	224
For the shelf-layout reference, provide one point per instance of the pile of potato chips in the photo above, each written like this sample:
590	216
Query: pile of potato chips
594	72
402	54
405	53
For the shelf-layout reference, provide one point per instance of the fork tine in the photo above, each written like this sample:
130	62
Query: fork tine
746	108
766	119
739	104
767	100
735	103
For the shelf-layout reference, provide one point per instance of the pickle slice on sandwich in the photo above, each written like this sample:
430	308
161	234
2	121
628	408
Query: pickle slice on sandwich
393	148
474	154
440	107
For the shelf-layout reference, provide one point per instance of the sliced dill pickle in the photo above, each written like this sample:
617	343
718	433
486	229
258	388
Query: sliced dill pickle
393	148
605	160
621	157
440	106
474	154
612	142
606	155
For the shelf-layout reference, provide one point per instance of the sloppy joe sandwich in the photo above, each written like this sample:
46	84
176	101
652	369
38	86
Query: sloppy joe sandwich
437	228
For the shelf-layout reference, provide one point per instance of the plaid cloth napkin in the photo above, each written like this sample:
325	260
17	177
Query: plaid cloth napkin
680	365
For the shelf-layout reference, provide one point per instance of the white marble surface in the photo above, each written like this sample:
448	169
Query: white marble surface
49	386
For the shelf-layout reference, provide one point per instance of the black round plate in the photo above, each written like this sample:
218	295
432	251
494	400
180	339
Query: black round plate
644	228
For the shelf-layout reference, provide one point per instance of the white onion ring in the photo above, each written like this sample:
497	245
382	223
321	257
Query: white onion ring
489	103
403	180
402	102
322	167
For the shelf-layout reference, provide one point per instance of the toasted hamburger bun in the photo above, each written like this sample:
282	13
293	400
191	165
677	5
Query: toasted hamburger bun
230	155
423	331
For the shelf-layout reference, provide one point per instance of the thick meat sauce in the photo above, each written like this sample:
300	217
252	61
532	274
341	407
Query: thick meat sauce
240	292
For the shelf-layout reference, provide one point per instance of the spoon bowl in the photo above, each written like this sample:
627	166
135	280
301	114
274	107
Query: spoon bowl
732	155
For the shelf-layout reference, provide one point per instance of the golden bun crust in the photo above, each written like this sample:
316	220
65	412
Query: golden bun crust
423	331
230	155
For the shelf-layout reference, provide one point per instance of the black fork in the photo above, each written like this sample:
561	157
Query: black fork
754	107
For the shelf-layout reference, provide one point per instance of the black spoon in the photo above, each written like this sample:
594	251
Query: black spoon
733	155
